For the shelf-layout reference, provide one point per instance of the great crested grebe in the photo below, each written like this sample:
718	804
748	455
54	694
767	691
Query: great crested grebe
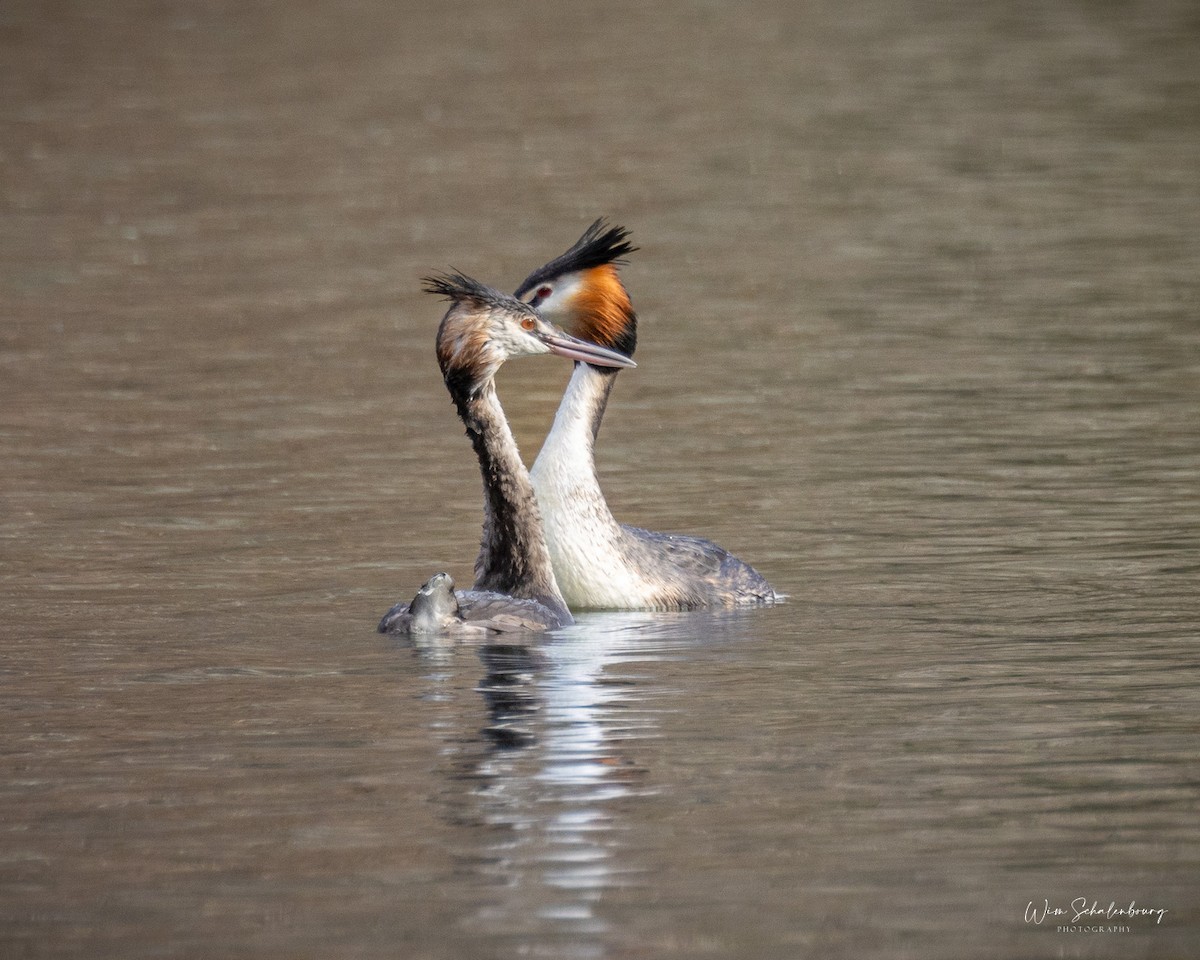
600	563
513	574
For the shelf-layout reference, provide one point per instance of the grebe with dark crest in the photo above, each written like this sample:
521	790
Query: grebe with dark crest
600	563
513	575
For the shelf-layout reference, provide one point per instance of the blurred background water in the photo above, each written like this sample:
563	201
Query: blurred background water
918	300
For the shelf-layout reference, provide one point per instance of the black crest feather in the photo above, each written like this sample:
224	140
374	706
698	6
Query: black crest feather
599	244
456	286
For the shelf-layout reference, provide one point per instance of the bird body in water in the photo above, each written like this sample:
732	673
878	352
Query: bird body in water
600	563
437	610
513	574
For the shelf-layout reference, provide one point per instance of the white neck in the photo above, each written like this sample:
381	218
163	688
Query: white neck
565	468
583	537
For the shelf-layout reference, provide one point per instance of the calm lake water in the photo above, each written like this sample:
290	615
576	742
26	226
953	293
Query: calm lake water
920	317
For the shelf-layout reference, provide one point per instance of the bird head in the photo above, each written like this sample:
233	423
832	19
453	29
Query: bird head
436	598
582	291
485	327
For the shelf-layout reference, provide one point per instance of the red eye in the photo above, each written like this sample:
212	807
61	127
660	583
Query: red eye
544	292
527	323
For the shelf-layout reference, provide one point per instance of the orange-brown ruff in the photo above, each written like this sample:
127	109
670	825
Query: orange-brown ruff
601	308
598	562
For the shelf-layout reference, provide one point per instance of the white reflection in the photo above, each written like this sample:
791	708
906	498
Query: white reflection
538	798
541	781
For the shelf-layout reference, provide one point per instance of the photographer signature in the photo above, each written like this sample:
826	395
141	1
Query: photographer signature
1083	907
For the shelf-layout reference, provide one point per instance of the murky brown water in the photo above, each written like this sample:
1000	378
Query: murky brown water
920	338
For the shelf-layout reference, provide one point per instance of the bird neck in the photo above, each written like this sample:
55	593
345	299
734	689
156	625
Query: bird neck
512	554
566	466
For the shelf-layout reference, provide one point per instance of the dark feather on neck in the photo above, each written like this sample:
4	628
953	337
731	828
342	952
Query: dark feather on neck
512	553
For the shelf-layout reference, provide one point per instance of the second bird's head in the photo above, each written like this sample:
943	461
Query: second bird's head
485	327
581	290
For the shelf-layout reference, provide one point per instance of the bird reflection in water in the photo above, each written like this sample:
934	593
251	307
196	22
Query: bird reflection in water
508	690
536	788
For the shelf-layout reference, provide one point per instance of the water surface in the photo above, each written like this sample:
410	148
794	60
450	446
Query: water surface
918	310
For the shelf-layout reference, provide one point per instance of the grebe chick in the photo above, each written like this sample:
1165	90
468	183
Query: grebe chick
513	575
433	610
436	611
599	562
